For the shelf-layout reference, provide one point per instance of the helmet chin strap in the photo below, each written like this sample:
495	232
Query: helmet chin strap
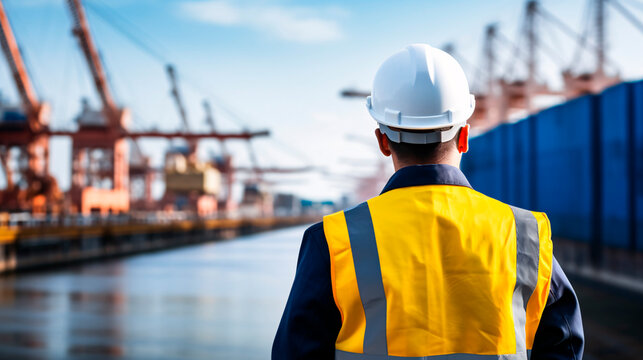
420	137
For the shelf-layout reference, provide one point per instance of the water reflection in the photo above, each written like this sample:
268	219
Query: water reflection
212	301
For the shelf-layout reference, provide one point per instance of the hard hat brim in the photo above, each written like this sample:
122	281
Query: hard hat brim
401	136
396	119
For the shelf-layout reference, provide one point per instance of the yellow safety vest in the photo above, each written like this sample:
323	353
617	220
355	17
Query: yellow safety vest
438	271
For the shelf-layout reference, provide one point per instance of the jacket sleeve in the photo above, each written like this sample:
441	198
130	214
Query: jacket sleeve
311	321
560	332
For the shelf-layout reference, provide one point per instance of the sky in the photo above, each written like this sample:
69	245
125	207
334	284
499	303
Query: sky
277	65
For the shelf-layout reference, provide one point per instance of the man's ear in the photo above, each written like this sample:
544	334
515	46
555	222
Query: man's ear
382	140
463	139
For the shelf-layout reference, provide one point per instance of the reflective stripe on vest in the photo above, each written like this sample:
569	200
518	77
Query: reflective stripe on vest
369	278
371	289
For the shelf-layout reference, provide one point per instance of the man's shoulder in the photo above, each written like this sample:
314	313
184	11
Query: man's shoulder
315	230
314	246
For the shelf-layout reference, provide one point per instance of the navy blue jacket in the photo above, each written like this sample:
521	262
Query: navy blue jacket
311	321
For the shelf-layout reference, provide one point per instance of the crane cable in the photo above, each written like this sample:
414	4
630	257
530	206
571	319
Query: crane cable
140	44
517	54
193	82
581	45
159	57
582	40
554	52
637	3
111	21
626	14
137	120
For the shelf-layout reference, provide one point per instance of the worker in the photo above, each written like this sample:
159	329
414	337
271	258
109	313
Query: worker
430	268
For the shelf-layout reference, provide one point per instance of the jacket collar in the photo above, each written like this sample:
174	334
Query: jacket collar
418	175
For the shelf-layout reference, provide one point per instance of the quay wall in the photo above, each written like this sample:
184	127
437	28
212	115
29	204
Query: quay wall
23	248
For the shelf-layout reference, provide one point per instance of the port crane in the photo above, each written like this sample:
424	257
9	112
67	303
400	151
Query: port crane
23	130
517	95
486	112
100	166
589	82
223	163
503	96
189	183
180	106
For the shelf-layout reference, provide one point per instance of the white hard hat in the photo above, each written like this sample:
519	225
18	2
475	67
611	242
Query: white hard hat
420	88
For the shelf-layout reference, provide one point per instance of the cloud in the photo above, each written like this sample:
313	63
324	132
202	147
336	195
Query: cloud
298	24
215	12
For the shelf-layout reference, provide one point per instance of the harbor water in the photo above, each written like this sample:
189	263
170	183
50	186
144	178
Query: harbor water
220	300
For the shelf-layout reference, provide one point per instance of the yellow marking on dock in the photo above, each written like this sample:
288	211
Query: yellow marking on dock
8	234
14	233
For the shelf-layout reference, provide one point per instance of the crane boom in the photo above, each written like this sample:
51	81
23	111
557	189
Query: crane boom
532	44
209	118
176	95
600	36
82	33
28	97
490	54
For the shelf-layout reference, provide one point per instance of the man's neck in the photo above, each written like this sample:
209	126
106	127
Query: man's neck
451	159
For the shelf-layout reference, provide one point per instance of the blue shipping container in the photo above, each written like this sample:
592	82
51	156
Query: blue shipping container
522	168
614	110
581	162
509	162
563	169
636	104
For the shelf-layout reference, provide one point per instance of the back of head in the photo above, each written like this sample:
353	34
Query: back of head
432	153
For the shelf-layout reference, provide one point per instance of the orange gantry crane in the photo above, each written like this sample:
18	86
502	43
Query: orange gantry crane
487	111
23	132
100	164
189	181
592	82
503	97
519	94
223	163
178	102
100	167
